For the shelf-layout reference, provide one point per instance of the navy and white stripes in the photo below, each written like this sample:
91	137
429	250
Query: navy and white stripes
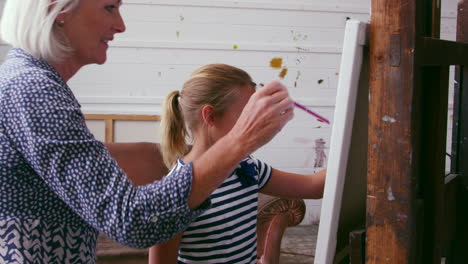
226	233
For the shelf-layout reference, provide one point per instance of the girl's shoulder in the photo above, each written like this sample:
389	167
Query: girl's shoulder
257	162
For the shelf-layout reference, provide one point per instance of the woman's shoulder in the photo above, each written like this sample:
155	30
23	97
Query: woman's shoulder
21	71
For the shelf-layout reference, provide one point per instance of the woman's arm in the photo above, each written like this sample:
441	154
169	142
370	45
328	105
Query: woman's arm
58	146
165	253
292	185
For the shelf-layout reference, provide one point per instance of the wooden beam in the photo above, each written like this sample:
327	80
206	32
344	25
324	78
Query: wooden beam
460	109
433	101
110	119
462	21
123	117
357	242
109	131
459	254
392	187
407	126
431	51
435	18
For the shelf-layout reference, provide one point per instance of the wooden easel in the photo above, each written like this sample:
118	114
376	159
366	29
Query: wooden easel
413	214
109	122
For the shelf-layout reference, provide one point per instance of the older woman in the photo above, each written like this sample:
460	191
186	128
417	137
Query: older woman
59	186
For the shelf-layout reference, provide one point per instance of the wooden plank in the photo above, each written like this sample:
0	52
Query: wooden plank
123	117
391	187
462	21
459	254
432	144
451	203
109	131
432	100
435	17
433	51
357	242
460	121
110	119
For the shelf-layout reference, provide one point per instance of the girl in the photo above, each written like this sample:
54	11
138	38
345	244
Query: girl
205	110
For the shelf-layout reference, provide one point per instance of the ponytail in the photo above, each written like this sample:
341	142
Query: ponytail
173	130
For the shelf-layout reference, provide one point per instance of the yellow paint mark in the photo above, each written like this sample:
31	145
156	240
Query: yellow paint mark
276	63
283	73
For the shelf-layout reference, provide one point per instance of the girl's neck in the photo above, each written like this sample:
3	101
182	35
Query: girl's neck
198	148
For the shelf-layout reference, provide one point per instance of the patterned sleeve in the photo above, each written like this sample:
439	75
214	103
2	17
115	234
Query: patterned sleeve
48	128
264	172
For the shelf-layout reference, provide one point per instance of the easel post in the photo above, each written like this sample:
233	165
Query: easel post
391	187
408	213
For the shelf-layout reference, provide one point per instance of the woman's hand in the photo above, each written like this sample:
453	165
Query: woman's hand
265	114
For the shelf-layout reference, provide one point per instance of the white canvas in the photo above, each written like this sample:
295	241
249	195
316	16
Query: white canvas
351	62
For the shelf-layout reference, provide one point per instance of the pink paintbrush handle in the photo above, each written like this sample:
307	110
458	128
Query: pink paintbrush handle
321	118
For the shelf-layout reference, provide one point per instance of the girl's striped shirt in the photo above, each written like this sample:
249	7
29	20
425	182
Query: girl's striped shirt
226	233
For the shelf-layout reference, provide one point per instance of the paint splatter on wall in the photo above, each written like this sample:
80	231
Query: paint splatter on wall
298	36
320	155
283	73
276	63
297	78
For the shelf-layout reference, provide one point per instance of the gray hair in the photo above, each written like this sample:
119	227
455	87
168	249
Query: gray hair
31	26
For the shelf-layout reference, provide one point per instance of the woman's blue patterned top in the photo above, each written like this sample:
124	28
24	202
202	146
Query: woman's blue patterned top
59	186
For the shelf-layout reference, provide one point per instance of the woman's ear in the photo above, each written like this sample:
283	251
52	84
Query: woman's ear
207	113
63	17
60	19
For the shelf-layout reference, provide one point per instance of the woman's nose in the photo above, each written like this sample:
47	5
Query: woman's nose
119	25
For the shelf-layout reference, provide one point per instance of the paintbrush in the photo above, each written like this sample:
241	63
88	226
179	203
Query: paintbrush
307	110
320	118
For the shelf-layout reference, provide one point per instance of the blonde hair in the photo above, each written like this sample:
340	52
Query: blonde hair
31	26
212	84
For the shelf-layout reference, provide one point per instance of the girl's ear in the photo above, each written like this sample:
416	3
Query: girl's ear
207	113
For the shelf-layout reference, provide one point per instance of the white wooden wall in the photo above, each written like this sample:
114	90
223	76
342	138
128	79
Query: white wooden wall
166	40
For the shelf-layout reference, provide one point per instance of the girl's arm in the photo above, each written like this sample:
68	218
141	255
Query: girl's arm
166	252
292	185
